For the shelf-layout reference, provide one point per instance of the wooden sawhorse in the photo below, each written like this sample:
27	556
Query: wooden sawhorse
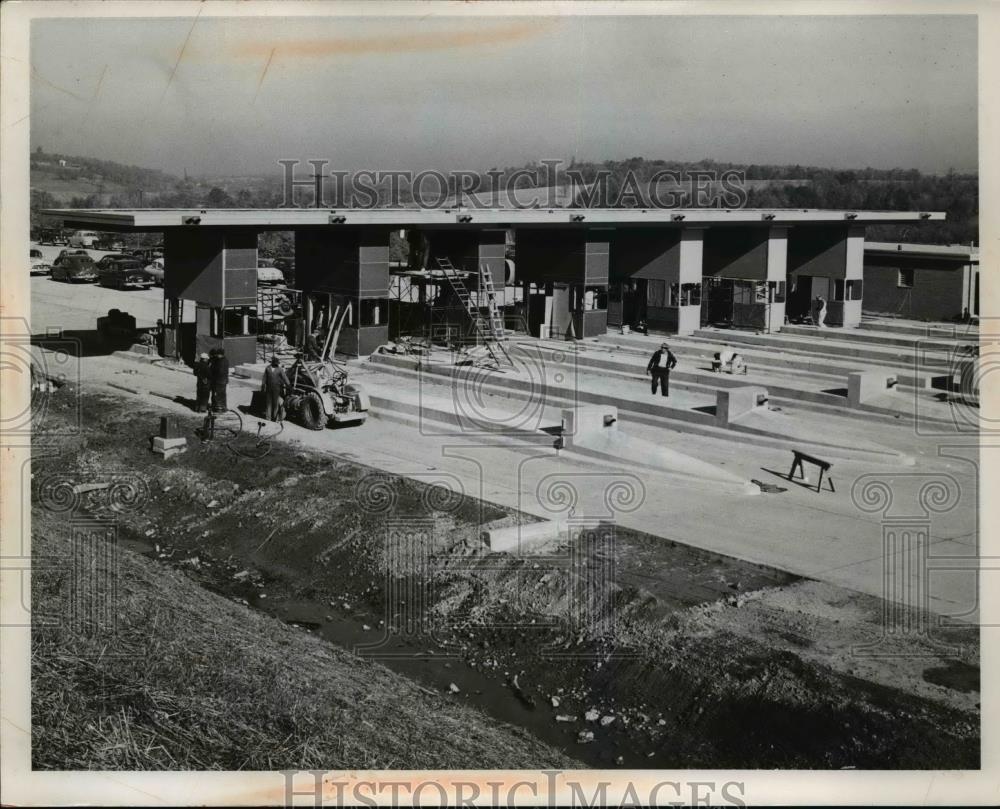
824	466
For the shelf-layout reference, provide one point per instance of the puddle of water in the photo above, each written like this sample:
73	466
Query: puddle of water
437	667
956	675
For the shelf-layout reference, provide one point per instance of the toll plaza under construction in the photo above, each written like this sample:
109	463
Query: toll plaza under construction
476	276
559	308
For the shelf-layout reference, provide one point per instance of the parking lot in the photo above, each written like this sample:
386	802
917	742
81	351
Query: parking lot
61	305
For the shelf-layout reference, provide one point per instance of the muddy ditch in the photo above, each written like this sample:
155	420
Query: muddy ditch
602	651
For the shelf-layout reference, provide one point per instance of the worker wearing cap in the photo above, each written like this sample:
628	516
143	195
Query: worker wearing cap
274	386
659	367
202	373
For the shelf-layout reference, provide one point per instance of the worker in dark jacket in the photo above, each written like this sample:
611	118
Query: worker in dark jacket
659	366
274	386
312	347
219	374
202	373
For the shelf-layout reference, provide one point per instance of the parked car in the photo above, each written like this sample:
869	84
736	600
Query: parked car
123	272
84	238
109	241
105	261
268	274
39	266
51	236
75	267
68	252
148	254
155	270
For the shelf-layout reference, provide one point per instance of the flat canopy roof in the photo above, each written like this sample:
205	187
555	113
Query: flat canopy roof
948	252
290	218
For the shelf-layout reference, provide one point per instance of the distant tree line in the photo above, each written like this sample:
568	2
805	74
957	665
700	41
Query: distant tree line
768	186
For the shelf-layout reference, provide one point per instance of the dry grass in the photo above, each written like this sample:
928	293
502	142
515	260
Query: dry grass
189	680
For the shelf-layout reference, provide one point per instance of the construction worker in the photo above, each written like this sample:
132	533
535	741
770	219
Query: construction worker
274	386
659	366
219	376
202	373
819	312
313	351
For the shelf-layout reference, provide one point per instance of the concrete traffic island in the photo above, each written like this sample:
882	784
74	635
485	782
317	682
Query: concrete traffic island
736	402
484	402
592	430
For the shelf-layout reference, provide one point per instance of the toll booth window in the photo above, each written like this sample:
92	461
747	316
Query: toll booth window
238	321
373	312
854	289
656	293
690	294
777	291
595	299
838	290
905	279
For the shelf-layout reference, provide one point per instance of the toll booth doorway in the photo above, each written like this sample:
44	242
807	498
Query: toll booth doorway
801	291
627	303
735	303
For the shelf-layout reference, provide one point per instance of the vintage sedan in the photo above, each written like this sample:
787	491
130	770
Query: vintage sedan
123	272
52	236
39	266
155	270
63	254
74	267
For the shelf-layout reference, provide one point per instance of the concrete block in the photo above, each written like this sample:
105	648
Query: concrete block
584	423
168	447
865	385
529	537
732	403
141	348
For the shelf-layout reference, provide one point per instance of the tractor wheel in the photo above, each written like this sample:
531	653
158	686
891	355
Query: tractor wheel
311	412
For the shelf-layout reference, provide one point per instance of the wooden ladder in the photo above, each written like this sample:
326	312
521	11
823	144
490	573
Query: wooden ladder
490	331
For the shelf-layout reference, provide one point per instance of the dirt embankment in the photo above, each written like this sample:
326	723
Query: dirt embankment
628	650
135	666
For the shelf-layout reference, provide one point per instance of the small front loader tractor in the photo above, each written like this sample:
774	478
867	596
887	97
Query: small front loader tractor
318	390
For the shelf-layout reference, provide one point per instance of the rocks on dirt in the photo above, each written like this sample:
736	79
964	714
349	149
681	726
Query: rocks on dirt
565	718
592	715
607	720
585	736
454	688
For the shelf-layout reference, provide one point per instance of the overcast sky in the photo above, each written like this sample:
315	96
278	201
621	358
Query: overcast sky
234	96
